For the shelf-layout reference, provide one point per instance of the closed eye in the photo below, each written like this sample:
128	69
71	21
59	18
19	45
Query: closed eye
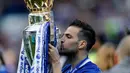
68	36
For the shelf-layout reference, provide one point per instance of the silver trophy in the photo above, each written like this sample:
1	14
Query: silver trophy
40	12
36	36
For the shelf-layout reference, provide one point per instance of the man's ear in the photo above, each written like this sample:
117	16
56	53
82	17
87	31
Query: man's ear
82	44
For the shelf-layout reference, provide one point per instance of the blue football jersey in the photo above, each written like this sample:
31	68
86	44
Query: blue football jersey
85	66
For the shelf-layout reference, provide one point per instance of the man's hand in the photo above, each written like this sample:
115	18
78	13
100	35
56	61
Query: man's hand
54	55
55	59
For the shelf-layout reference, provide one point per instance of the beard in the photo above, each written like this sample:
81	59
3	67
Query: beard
68	51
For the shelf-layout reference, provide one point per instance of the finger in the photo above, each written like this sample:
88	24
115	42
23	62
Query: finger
49	53
51	46
50	50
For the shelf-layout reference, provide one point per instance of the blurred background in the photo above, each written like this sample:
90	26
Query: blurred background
109	18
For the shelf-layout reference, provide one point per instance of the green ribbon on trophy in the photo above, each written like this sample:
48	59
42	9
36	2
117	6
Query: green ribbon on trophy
41	30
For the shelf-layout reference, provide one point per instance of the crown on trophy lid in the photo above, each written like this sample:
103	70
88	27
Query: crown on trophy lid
39	5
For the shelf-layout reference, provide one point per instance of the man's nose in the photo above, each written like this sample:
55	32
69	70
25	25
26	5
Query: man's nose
62	41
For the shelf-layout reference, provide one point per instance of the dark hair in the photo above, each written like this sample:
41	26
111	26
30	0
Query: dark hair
87	33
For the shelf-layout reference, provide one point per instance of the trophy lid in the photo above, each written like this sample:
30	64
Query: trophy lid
39	5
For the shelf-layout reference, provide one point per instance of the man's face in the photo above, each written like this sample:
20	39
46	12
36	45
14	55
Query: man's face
69	44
